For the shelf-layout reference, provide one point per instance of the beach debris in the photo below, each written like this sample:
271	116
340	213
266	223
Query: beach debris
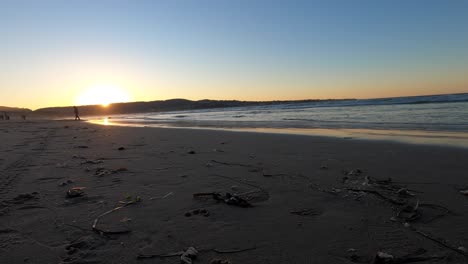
230	199
78	157
383	257
191	152
188	256
352	250
409	213
378	194
108	232
462	249
162	197
121	148
404	192
21	198
82	147
191	252
125	220
230	251
220	261
75	192
103	172
202	212
61	165
98	161
267	173
439	241
324	167
319	188
333	191
65	183
464	192
417	256
367	181
231	163
355	172
306	212
165	168
428	213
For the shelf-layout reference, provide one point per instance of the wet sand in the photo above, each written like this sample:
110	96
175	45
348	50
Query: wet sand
314	199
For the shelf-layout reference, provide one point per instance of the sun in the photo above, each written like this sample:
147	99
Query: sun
102	95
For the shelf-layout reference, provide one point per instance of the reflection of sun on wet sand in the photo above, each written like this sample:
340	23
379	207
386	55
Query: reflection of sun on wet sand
81	193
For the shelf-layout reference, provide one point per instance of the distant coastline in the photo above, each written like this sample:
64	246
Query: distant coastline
160	106
185	104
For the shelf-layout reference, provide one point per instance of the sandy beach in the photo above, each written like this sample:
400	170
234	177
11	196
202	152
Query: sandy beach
74	192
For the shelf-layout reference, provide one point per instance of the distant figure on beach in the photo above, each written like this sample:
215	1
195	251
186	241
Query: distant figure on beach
7	117
23	116
77	114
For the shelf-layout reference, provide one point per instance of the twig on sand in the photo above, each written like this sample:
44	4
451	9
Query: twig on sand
165	168
439	241
104	232
391	200
229	251
162	197
180	253
168	255
232	164
230	199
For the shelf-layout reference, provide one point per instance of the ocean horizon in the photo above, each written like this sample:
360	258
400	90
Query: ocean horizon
433	119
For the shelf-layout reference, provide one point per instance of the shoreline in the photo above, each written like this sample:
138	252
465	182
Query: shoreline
415	137
313	198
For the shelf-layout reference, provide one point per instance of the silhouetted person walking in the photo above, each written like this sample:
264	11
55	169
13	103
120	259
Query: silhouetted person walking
77	114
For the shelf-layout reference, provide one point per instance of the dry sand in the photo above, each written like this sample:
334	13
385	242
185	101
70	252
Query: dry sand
300	187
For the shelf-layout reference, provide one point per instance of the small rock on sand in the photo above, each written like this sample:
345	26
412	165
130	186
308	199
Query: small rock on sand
75	192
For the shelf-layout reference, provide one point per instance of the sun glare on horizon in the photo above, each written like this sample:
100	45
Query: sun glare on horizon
102	95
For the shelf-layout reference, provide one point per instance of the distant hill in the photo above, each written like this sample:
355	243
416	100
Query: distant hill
14	109
153	106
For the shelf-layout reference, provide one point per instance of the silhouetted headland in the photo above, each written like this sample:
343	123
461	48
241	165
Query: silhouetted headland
154	106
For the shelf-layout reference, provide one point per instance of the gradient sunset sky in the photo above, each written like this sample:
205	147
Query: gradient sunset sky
52	52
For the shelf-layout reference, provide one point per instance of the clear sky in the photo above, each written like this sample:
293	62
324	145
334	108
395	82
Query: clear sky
52	52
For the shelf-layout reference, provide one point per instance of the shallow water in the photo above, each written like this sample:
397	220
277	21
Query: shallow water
440	119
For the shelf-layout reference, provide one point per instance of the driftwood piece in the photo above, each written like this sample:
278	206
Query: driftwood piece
230	199
104	232
439	241
181	253
378	194
230	251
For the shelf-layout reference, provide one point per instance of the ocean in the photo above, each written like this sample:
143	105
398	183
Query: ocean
435	119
